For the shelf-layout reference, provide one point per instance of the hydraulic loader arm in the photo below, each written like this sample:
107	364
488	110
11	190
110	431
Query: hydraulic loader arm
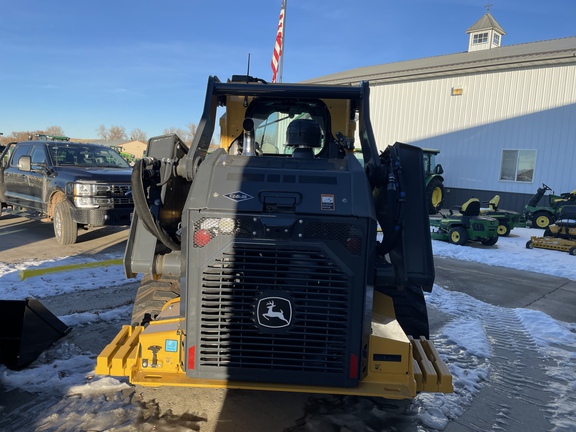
403	216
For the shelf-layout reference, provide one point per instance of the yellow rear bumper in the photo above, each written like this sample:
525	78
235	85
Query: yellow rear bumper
398	367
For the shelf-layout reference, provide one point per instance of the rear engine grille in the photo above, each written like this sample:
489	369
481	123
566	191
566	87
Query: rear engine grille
348	235
319	291
342	233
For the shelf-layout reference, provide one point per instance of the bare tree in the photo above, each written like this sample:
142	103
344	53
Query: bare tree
102	132
54	130
138	135
112	133
186	135
182	134
24	135
117	133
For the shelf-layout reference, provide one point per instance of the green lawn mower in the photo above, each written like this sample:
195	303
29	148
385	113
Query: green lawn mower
540	216
507	219
465	225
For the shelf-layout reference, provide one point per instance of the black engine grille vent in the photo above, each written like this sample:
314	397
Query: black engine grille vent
319	291
348	235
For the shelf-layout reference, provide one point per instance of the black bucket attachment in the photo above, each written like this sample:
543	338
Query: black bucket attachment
27	328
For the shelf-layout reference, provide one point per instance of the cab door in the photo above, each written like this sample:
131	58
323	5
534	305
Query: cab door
37	188
15	180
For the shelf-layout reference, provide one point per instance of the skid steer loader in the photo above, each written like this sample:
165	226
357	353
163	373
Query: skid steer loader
260	261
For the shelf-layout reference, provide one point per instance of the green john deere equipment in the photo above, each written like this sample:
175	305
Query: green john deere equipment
261	263
434	181
507	219
540	216
465	225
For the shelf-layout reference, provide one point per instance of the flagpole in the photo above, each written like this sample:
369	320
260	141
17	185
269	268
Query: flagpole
281	65
277	62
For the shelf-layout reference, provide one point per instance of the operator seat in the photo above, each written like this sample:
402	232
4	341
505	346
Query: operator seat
304	135
471	207
493	203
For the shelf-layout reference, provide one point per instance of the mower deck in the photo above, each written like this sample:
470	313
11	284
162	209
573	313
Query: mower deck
553	243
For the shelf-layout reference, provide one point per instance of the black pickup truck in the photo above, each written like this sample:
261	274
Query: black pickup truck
77	185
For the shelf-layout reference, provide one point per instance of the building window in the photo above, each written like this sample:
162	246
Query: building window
480	38
496	40
518	165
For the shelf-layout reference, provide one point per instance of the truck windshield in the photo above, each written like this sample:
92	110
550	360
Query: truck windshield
86	155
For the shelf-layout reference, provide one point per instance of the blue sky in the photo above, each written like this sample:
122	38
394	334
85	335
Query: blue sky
144	64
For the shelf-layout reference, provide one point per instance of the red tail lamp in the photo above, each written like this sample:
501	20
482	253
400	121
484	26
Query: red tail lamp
202	237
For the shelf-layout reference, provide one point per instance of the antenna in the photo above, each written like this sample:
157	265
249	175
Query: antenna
248	71
247	81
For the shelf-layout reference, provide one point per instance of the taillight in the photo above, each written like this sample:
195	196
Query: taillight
202	237
354	244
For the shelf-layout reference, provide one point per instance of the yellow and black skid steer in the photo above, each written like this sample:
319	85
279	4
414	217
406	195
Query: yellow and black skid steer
260	260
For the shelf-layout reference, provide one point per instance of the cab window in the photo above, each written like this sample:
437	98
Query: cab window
21	150
38	155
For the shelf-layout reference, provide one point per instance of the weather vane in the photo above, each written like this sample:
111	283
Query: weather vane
488	6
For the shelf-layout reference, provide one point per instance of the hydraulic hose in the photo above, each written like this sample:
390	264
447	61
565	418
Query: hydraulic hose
142	208
394	202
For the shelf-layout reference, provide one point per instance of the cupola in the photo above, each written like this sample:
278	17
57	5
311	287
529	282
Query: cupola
486	33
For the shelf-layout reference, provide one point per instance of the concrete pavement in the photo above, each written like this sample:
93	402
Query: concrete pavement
509	288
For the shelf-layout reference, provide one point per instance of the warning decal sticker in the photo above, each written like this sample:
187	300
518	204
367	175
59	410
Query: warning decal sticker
327	202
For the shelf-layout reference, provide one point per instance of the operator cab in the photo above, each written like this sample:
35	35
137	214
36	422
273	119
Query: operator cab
282	127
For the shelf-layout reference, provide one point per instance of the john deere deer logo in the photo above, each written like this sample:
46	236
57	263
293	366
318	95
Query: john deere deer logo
274	312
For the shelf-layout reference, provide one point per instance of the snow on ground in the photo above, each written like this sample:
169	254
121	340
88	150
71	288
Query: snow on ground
511	252
463	343
49	284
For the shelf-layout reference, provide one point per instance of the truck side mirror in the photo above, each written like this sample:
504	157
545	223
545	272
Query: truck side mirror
438	169
24	163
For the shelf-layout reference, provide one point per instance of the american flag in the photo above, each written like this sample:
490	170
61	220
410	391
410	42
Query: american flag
279	45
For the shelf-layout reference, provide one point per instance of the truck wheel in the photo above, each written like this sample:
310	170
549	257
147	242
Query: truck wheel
65	229
529	245
490	241
504	230
435	195
152	295
572	251
542	219
410	309
458	236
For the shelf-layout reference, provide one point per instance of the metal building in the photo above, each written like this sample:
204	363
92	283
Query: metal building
503	117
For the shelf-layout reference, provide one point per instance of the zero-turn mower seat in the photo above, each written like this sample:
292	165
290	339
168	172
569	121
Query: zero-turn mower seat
471	207
493	203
